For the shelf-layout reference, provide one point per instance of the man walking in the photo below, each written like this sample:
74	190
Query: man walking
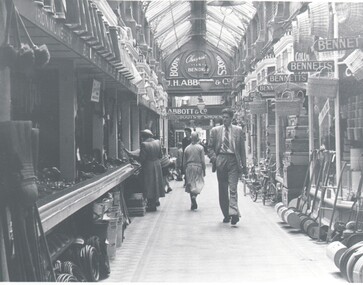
227	153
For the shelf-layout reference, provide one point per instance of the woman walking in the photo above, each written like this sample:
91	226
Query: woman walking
194	166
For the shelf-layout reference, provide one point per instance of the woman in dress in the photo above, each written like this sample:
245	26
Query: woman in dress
194	166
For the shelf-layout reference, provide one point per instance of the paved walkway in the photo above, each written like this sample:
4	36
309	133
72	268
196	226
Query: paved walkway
176	244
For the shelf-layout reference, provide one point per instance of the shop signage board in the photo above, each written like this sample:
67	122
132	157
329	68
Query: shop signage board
338	44
283	78
193	112
96	89
309	66
185	70
265	88
324	111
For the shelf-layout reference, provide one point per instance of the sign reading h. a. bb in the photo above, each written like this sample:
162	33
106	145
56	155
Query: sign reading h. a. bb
282	78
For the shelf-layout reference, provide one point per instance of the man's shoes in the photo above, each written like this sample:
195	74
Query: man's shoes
194	204
169	190
235	219
226	219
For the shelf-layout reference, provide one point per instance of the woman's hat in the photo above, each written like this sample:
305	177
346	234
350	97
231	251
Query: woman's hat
147	131
188	129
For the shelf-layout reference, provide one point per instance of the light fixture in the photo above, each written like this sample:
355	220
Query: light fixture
206	84
223	3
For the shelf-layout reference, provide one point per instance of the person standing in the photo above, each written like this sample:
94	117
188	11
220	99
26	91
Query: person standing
149	156
194	165
179	162
185	142
227	153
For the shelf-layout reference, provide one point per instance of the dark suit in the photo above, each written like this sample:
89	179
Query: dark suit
229	166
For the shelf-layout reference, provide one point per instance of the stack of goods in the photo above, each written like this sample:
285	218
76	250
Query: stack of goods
355	118
296	156
136	205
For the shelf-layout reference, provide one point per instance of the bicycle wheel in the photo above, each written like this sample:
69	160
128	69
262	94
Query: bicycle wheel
253	194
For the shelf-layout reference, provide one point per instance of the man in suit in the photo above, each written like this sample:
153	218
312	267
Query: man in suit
227	153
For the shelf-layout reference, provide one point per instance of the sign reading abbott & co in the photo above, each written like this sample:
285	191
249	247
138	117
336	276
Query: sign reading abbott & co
193	112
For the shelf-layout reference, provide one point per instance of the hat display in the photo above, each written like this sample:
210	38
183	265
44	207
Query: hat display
147	131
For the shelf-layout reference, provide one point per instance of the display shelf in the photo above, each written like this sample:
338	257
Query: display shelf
55	208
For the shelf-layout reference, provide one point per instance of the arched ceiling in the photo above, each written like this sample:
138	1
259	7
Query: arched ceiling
175	22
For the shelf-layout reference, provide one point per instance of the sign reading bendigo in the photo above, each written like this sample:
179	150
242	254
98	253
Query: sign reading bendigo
283	78
193	112
299	66
338	44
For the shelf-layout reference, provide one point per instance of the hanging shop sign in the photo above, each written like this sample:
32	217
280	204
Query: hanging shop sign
96	88
324	111
265	88
185	70
193	112
338	44
308	66
283	78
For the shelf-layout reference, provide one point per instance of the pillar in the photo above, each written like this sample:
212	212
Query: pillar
97	125
125	122
67	114
277	137
135	126
112	140
258	138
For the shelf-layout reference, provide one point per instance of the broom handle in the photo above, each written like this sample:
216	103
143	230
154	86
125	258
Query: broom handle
32	45
9	18
43	238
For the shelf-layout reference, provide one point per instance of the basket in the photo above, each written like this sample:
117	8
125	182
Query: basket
305	39
322	86
258	107
349	18
287	106
354	62
320	19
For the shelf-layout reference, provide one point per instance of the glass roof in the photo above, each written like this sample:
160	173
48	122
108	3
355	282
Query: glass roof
171	22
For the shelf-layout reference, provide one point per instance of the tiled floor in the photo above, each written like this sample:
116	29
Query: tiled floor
176	244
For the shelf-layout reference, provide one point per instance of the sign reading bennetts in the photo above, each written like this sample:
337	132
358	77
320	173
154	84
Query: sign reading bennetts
282	78
338	44
299	66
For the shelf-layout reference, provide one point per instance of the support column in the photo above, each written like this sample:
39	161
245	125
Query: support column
311	130
125	122
67	114
97	126
135	126
5	109
252	139
166	132
258	138
277	136
112	140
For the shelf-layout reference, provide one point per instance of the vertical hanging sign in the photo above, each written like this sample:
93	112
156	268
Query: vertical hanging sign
324	111
96	88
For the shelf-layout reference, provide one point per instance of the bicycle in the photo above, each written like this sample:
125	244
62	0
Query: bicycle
270	192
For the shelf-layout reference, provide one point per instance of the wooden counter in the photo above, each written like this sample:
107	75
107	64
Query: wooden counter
57	207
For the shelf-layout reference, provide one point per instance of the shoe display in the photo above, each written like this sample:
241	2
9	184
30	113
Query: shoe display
226	220
235	219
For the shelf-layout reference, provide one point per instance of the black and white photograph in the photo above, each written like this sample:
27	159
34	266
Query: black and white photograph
181	141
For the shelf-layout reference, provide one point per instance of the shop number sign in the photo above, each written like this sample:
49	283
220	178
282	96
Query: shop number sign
306	66
338	44
283	78
96	88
